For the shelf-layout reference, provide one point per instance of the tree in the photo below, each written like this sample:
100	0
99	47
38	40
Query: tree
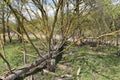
69	17
3	21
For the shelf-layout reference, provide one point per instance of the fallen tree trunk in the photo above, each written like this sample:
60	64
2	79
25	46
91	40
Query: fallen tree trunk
26	68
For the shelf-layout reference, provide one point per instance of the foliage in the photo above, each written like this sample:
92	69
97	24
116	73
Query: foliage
30	29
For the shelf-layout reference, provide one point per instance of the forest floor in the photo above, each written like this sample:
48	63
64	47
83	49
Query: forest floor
98	63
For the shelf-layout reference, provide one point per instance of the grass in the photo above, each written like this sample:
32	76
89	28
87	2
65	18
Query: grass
95	64
14	55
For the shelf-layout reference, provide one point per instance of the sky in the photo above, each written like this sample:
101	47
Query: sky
116	1
48	8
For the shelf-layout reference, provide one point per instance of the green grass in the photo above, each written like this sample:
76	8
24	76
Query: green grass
96	64
14	55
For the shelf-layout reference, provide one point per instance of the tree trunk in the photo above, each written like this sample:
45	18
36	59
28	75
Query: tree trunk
8	28
19	31
9	36
3	24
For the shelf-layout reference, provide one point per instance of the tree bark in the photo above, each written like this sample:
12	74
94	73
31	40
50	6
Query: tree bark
26	68
3	23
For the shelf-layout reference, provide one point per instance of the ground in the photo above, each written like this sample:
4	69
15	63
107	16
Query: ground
95	63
